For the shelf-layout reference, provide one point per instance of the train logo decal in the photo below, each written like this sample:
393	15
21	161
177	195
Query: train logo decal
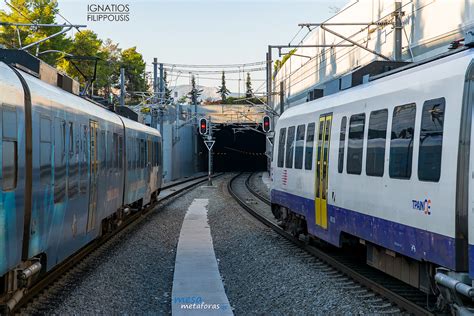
422	206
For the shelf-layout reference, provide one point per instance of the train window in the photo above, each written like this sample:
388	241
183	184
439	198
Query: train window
157	153
9	123
342	144
109	151
84	164
160	154
299	146
59	160
153	154
281	147
45	151
128	146
115	153
120	152
143	153
9	164
401	142
9	150
71	139
431	140
102	151
290	147
137	153
73	168
150	151
356	143
308	157
376	143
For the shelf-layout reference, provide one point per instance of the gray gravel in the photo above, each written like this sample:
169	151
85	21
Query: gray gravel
265	274
135	275
262	272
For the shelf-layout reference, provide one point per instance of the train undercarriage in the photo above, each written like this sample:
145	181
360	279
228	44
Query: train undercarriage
447	291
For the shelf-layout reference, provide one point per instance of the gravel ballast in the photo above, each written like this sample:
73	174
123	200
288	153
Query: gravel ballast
135	275
262	272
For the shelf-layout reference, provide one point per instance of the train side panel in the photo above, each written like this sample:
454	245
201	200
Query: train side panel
144	168
382	209
67	183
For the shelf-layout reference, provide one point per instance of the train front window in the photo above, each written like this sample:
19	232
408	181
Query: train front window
281	147
401	142
431	140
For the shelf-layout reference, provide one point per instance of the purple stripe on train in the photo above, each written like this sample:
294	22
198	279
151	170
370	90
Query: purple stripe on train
410	241
471	261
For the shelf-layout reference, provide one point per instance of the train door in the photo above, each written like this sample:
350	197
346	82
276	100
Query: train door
94	175
322	163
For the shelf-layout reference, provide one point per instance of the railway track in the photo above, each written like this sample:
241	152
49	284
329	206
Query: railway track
395	296
53	282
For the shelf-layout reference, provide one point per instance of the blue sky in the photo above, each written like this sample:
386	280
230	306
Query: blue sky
204	31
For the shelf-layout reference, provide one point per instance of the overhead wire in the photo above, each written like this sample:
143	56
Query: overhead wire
218	71
192	66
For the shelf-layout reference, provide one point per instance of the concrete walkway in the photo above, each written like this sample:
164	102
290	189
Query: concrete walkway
197	284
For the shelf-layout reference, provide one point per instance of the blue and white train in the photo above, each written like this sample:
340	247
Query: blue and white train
70	171
388	164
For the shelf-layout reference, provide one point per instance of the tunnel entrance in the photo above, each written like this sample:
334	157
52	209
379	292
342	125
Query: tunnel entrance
235	149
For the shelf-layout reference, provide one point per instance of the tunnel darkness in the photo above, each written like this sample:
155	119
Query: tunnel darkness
240	151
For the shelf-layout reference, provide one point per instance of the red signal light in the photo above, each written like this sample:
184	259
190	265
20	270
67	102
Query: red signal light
203	126
266	124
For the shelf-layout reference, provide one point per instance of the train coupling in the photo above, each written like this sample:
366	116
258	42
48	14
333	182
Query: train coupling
30	271
455	291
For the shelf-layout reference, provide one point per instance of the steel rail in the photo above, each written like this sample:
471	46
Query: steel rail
395	298
52	276
255	193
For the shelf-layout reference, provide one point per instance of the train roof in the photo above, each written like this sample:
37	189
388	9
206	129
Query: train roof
130	124
76	103
384	85
67	100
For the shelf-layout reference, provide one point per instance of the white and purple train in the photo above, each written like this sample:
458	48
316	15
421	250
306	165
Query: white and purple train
388	164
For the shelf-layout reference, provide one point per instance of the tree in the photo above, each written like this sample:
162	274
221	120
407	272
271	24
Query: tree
222	90
33	11
248	84
86	44
167	89
108	68
195	93
134	66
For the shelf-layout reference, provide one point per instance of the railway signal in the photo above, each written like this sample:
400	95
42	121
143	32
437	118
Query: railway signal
266	124
203	126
